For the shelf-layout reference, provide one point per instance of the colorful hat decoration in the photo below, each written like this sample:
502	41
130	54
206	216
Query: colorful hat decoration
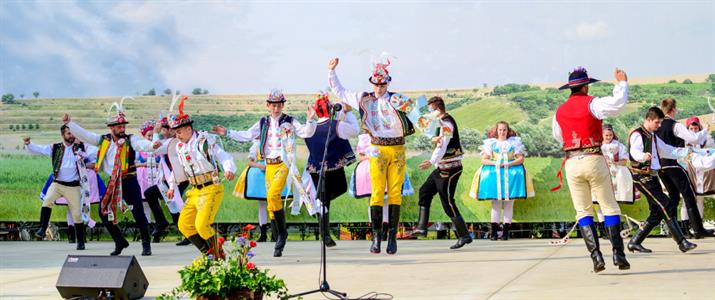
276	96
322	105
118	118
380	75
578	77
147	126
693	120
182	119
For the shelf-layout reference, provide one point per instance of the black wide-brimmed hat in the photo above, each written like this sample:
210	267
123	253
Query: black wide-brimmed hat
578	77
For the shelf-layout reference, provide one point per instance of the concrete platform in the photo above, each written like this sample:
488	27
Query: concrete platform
515	269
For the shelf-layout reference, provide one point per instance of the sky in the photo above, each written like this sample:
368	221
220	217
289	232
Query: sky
107	48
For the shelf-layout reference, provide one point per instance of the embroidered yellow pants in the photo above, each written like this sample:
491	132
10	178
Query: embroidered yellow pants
387	170
200	211
275	182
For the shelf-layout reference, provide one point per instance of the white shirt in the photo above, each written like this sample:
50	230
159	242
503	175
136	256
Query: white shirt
198	164
274	146
664	150
139	144
600	107
382	119
68	168
688	136
445	135
347	125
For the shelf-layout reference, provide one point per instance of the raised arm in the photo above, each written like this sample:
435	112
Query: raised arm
36	149
241	135
84	135
347	97
145	145
609	106
307	130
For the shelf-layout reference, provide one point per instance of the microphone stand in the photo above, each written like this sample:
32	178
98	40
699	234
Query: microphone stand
322	195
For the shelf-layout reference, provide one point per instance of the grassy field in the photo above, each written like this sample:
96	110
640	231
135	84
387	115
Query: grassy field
21	178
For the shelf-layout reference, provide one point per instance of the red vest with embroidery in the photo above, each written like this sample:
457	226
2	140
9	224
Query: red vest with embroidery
579	128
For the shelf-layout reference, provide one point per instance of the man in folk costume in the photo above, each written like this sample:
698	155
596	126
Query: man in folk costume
202	159
385	117
150	177
66	163
647	152
447	158
116	156
343	125
274	132
674	177
577	125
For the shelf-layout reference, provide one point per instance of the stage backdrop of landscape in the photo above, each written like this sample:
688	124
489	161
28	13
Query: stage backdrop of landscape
528	108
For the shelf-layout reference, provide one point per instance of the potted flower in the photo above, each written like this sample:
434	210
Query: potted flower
232	277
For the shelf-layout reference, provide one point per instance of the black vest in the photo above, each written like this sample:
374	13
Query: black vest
648	147
340	153
454	148
58	152
666	133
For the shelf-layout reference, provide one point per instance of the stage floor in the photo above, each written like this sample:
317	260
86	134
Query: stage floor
514	269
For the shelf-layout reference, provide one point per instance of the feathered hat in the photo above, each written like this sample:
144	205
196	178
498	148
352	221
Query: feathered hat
181	119
276	96
322	105
578	77
147	126
118	117
380	75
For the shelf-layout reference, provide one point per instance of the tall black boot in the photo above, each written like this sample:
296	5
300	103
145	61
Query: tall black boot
685	228
505	232
119	241
199	243
677	235
589	236
634	245
79	233
282	231
376	221
493	231
274	231
329	242
264	233
613	233
421	229
394	218
601	230
45	213
146	240
70	234
696	223
463	236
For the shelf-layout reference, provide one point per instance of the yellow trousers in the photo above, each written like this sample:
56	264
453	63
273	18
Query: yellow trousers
200	211
276	175
387	170
588	176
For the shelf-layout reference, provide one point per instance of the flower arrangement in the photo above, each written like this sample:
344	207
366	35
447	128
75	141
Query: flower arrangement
233	277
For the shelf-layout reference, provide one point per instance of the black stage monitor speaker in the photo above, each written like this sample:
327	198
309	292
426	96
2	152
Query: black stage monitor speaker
113	277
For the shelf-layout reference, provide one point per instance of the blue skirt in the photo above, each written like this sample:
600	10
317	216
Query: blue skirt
256	185
519	183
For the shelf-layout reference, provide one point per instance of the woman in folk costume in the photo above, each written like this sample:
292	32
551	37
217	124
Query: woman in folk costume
577	126
276	133
68	184
116	156
341	126
616	155
251	185
360	181
202	159
703	179
388	118
502	177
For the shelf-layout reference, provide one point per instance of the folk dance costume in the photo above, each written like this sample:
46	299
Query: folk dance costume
386	118
117	159
675	178
616	155
504	184
447	160
202	160
342	126
68	174
276	144
578	126
703	179
647	178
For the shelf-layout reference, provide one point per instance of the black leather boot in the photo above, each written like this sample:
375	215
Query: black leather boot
376	221
696	223
589	236
394	218
421	229
45	213
159	230
329	242
282	231
264	233
71	234
462	234
199	243
602	230
79	234
613	233
494	232
184	242
119	241
634	245
685	228
146	241
505	232
274	232
677	235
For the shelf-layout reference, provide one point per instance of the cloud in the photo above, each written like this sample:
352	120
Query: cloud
589	31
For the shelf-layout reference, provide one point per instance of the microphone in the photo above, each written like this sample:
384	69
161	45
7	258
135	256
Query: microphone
337	107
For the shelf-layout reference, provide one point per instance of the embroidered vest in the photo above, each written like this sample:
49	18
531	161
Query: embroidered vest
340	153
58	152
579	128
265	123
195	156
454	148
648	147
127	155
407	127
666	133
